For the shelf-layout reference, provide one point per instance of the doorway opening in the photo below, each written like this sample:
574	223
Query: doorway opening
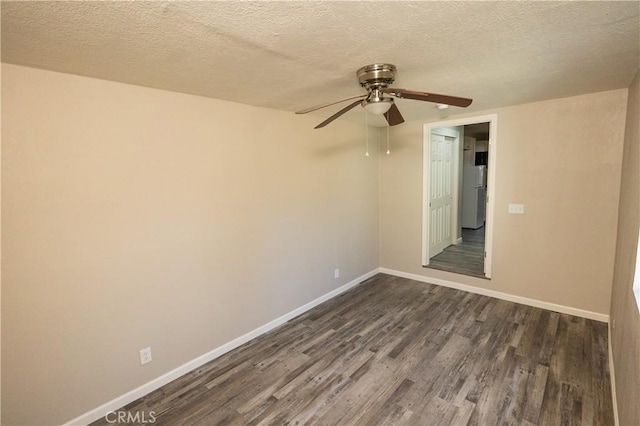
458	186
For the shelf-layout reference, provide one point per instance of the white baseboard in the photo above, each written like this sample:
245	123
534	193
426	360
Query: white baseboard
612	374
500	295
158	382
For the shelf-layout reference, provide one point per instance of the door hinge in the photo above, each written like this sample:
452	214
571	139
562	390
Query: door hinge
485	254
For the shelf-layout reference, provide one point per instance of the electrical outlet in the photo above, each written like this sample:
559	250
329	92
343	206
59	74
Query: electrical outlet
145	356
336	273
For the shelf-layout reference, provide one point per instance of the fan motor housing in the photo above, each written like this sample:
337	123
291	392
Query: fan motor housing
376	75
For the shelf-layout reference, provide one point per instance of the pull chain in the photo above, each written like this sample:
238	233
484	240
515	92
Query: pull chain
388	150
366	131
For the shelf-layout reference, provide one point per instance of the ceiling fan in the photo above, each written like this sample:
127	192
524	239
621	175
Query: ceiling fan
376	78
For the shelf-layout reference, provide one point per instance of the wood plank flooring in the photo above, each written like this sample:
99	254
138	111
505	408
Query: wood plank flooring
466	258
393	351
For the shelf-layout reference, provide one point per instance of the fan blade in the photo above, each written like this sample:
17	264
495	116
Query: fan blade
337	114
429	97
304	111
393	116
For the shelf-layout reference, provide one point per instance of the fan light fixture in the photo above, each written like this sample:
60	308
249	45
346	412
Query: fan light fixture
377	79
379	107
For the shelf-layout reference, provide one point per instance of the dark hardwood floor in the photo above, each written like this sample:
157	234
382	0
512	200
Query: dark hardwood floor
466	258
396	351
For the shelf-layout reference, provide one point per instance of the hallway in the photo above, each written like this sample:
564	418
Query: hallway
466	258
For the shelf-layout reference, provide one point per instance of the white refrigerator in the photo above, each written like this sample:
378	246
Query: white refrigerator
474	196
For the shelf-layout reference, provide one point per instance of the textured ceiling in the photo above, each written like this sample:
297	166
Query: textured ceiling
292	55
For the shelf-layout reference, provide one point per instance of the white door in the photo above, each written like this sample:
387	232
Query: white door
440	193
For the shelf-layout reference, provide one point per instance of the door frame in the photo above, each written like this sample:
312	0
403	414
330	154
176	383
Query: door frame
492	119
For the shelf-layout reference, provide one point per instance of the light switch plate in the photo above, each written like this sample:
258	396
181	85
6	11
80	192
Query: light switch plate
516	208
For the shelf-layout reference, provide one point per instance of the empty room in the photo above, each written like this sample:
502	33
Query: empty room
319	212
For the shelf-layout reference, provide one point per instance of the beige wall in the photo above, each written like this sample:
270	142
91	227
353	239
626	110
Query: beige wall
625	320
561	158
135	217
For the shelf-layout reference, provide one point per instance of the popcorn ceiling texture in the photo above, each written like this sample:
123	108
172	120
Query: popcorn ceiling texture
290	55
